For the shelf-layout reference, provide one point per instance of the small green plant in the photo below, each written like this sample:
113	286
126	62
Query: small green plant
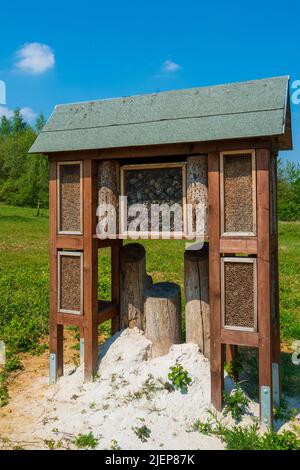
239	437
204	427
142	432
4	397
114	445
236	403
284	412
86	441
13	364
179	377
50	443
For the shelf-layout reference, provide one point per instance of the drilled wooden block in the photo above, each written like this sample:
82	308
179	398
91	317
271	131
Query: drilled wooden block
70	272
197	192
70	200
238	203
239	298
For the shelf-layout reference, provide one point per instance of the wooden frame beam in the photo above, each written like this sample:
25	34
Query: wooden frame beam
90	269
263	274
216	346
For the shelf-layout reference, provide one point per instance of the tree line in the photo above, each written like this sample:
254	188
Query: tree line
24	177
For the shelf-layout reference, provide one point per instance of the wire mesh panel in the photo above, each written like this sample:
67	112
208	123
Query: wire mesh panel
238	194
70	281
239	293
70	198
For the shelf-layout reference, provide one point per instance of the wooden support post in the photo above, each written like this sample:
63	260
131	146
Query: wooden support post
162	316
196	290
275	315
133	283
56	331
263	285
90	269
216	347
115	282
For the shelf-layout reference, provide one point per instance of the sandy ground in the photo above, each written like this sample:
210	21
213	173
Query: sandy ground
128	392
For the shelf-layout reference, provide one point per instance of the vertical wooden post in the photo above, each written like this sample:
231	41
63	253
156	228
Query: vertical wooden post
90	269
216	347
56	331
115	282
263	286
276	372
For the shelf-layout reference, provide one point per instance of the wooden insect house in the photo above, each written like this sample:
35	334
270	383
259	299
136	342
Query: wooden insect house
215	146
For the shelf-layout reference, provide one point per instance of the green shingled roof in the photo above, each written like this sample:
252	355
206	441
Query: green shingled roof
257	108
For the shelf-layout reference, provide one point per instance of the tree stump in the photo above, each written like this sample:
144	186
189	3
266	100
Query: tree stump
197	190
162	311
134	281
108	196
197	318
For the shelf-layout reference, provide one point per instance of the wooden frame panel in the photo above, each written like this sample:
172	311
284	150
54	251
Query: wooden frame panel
222	192
60	254
153	166
223	292
69	232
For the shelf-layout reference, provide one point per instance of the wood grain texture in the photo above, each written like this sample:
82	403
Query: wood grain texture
263	260
56	331
196	279
216	347
197	189
108	194
162	312
133	282
115	283
90	269
165	149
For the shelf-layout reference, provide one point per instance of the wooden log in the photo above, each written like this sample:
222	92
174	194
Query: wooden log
134	281
197	188
197	319
163	316
108	194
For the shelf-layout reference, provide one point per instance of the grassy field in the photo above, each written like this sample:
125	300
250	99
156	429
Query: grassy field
24	279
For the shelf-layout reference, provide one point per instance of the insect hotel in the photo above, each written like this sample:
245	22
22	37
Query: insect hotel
214	146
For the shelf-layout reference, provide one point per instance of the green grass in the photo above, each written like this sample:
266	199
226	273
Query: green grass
24	280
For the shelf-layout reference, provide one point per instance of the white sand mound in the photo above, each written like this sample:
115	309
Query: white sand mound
129	392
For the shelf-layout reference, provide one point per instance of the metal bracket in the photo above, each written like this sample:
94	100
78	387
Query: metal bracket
275	385
81	350
265	405
52	369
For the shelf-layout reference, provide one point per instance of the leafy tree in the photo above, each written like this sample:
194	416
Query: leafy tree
23	177
288	191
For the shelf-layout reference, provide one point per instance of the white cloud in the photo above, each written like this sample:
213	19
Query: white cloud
27	113
35	58
4	111
170	66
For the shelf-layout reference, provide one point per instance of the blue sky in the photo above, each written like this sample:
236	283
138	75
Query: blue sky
100	49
